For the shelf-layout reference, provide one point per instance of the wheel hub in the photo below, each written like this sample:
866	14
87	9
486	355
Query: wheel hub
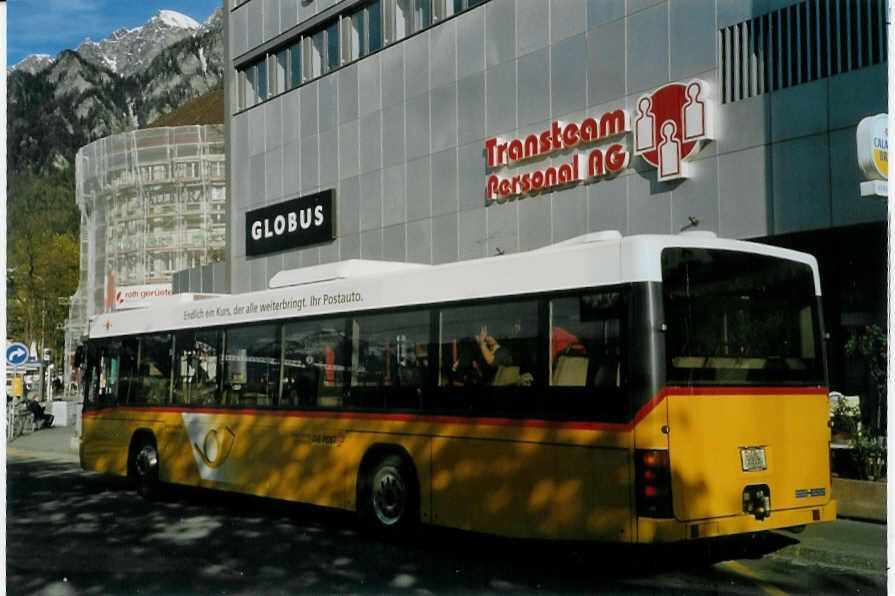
389	496
147	460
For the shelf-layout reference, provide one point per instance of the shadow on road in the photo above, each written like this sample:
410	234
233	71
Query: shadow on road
95	535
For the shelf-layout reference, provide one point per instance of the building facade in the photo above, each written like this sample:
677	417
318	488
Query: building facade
445	130
152	202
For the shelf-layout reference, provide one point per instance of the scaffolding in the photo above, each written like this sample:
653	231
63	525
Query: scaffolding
153	202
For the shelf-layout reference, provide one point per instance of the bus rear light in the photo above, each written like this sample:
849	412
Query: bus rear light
653	484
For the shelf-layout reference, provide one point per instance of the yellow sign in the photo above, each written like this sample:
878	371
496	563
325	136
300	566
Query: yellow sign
15	387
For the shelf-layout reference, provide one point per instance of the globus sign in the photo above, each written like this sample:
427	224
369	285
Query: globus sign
669	128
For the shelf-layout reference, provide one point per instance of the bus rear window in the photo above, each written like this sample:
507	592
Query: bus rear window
739	319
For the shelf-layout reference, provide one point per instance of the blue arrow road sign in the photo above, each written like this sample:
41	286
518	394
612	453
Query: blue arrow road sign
16	353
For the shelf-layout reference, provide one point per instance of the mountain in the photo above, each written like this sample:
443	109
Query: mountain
126	81
128	52
32	64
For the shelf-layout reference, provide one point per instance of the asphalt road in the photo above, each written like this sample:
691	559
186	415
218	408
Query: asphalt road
72	532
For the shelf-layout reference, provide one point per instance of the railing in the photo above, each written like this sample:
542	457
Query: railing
18	419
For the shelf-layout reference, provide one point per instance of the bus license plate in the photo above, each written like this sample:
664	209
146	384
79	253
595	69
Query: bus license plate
753	459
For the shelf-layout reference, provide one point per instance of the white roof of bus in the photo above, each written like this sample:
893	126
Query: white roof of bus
601	258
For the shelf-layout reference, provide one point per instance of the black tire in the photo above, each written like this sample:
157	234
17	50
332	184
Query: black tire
143	468
389	496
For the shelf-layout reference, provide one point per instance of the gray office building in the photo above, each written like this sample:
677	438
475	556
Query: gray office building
433	131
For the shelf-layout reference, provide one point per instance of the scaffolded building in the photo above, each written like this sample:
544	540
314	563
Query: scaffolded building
152	202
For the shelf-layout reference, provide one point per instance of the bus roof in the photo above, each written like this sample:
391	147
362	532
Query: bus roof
596	259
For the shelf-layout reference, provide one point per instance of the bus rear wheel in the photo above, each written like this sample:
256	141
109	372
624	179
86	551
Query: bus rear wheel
144	467
390	496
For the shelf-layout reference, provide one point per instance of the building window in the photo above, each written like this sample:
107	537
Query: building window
348	37
364	31
374	21
403	19
358	35
332	47
279	83
797	44
422	14
295	65
315	66
262	80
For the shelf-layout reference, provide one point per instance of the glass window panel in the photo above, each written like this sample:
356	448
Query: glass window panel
403	19
357	35
262	80
115	365
252	80
241	89
295	65
423	14
154	369
317	54
252	365
196	367
374	21
492	344
282	59
736	318
585	346
315	364
332	46
389	360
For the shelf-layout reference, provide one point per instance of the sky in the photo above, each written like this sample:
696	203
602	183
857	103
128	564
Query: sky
50	26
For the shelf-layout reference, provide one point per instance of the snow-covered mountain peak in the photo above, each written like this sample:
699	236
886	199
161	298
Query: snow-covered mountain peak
33	64
175	19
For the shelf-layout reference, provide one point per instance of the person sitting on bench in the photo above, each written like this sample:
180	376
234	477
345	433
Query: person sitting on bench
42	419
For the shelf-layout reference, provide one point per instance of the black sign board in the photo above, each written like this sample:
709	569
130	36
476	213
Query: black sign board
292	224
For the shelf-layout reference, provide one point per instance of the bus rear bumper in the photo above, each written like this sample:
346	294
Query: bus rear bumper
672	530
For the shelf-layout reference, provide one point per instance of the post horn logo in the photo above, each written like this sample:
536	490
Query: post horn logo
216	446
670	126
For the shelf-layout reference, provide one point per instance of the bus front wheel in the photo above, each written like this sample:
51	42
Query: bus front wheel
390	496
143	468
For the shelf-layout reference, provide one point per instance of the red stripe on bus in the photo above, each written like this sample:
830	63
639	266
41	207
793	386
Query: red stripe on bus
489	421
485	421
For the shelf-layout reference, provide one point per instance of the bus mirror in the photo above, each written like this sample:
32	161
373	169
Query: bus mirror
79	356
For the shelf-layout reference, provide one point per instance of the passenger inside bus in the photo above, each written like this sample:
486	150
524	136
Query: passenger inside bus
486	360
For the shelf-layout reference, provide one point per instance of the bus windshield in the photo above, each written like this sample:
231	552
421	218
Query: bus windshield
739	319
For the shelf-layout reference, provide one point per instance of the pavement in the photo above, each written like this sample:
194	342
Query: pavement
57	443
848	544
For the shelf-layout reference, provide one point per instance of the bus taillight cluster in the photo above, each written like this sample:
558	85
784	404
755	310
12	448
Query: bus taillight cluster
653	470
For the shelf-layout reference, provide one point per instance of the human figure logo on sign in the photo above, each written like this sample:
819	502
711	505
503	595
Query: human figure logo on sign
674	122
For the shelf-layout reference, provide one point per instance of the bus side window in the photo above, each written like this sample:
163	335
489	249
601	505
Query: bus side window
184	367
585	334
315	363
127	369
91	375
389	359
489	344
196	367
153	382
252	366
207	349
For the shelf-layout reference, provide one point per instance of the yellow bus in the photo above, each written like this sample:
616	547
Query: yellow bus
632	389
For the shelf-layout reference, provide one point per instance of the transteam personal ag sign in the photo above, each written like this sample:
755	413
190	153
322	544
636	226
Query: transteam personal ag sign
292	224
